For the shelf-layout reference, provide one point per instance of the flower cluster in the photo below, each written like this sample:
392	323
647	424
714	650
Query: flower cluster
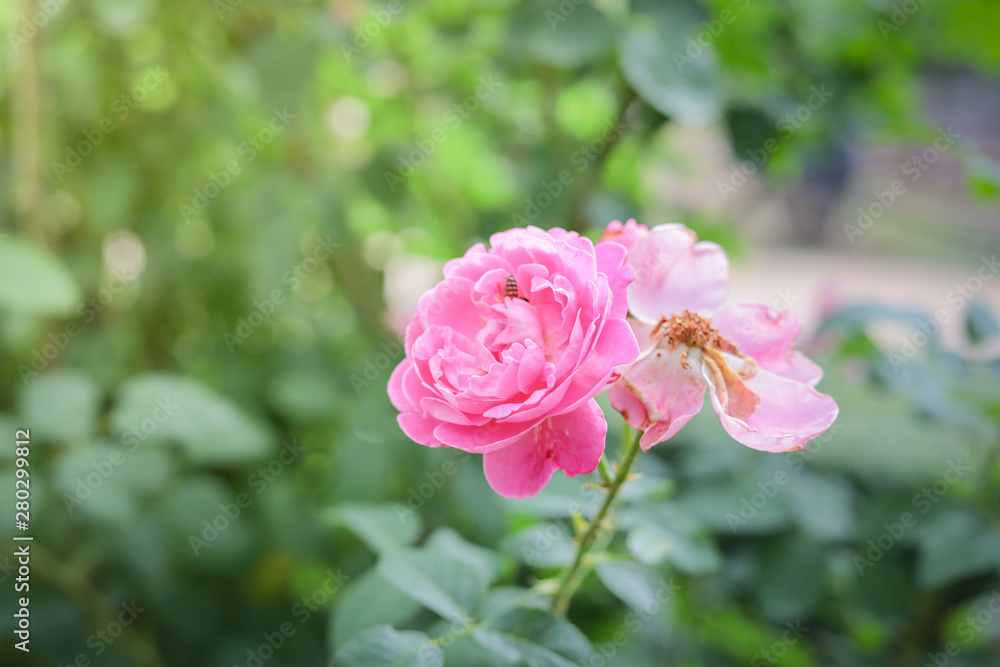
507	353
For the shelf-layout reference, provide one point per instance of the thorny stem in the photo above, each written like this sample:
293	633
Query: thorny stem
573	577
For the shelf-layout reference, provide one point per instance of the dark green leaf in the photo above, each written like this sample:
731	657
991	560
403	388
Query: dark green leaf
535	637
367	602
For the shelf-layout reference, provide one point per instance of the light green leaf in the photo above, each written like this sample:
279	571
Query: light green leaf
561	34
666	532
90	483
61	405
631	583
381	527
32	280
656	65
387	647
446	541
209	427
541	545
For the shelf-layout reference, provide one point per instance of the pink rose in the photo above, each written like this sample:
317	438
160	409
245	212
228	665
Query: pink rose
505	356
743	353
625	235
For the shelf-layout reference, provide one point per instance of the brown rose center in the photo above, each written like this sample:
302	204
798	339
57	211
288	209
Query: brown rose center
689	329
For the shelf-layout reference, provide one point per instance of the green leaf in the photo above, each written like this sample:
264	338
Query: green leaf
631	583
210	428
535	637
448	586
449	543
666	532
941	562
90	483
467	651
367	602
656	65
306	395
542	545
381	527
879	430
822	507
560	34
34	281
387	647
61	405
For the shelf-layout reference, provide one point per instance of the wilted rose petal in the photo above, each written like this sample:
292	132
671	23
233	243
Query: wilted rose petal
760	386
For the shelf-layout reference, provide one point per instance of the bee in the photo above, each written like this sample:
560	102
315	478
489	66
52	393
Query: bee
510	289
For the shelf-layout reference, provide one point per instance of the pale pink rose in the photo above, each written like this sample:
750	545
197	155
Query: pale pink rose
625	235
506	354
743	353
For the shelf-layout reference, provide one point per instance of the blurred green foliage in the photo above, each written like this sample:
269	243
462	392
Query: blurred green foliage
198	202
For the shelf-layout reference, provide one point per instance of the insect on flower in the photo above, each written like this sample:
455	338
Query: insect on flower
510	289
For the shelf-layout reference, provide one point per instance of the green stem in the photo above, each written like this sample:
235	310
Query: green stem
602	467
573	577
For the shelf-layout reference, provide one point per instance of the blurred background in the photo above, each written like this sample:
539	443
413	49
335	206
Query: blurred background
216	217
